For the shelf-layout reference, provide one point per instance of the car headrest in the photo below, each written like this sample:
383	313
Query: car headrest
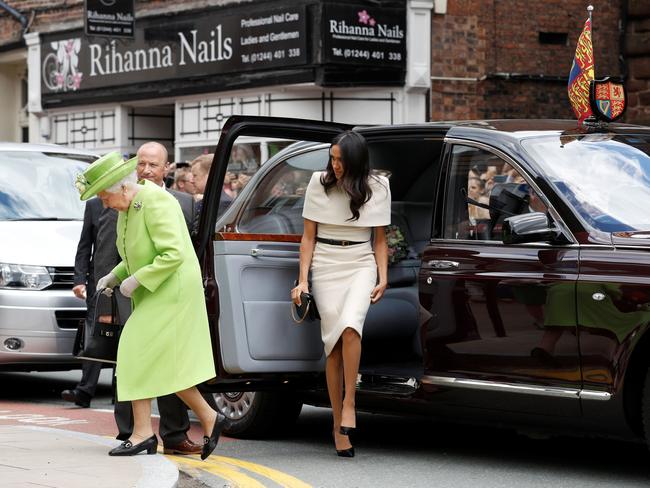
507	199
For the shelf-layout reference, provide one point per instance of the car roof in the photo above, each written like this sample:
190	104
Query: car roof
514	127
46	148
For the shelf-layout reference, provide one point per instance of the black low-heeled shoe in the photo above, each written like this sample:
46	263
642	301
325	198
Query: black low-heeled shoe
127	448
210	443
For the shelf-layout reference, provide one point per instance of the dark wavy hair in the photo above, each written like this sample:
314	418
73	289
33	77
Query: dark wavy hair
356	169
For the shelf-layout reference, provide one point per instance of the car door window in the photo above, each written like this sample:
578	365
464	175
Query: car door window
483	190
275	207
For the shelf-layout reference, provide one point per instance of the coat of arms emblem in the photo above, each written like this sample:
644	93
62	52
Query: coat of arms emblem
607	98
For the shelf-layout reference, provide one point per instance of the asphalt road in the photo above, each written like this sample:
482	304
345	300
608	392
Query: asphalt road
391	451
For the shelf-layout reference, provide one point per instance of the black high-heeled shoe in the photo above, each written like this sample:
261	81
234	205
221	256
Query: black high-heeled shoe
127	448
210	443
348	453
343	430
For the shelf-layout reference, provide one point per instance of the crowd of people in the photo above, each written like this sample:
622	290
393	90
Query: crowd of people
191	176
481	179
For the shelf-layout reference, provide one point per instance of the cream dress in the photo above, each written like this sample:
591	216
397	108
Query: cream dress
344	276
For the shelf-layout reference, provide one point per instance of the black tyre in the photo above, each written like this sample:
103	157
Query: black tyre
255	415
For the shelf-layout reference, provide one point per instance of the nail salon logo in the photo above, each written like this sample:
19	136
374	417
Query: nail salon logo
366	27
61	67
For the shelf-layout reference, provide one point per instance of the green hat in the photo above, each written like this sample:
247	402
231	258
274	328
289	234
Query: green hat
103	173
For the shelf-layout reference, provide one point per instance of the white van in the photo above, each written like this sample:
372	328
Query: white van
40	223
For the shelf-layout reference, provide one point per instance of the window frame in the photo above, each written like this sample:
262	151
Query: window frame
451	142
259	177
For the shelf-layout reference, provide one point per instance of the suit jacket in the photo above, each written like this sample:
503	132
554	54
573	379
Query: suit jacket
84	262
106	258
187	206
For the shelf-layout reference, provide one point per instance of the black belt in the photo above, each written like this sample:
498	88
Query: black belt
334	242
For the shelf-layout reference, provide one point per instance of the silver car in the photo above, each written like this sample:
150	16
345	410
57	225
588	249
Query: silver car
40	223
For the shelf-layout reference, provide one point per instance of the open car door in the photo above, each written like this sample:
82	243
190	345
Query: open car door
248	271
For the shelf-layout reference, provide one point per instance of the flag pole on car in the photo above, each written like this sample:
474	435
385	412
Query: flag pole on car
594	102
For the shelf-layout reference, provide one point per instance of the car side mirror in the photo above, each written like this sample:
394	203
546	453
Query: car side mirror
528	227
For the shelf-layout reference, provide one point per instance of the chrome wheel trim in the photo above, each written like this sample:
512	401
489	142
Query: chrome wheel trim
235	405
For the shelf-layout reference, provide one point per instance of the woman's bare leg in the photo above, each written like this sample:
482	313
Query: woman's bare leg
193	399
351	356
334	376
141	420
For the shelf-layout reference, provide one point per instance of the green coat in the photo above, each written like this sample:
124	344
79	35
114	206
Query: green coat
165	346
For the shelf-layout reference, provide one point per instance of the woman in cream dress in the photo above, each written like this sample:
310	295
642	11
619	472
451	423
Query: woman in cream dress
343	205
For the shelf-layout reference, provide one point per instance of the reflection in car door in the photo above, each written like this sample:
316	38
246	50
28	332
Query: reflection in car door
500	318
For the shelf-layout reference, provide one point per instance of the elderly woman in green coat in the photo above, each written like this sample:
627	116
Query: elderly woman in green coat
165	346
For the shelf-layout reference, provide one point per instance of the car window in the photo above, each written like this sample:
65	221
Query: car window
604	177
483	190
275	206
36	185
246	158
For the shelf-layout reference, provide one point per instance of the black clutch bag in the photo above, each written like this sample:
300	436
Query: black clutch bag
99	340
307	310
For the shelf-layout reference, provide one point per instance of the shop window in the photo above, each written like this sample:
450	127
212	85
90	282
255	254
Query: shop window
483	190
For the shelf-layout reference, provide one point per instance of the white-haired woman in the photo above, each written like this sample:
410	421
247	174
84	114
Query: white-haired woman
165	346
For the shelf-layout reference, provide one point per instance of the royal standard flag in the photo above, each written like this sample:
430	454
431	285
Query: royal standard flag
582	72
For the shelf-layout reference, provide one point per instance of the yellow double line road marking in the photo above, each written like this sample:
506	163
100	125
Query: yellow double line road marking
232	470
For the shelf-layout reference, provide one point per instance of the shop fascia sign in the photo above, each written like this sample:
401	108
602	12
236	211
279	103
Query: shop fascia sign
107	59
208	46
364	34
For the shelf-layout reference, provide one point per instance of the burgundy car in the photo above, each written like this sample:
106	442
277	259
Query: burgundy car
519	290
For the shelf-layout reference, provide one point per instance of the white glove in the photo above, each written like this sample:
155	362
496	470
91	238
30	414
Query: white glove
107	283
128	286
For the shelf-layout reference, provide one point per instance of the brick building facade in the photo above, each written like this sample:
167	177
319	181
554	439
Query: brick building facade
511	58
489	58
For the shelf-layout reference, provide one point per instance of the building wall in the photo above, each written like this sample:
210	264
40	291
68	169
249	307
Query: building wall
637	51
488	61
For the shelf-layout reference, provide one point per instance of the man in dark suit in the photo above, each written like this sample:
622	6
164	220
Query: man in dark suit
84	288
174	420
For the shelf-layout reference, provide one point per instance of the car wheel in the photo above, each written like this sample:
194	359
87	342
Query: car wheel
258	414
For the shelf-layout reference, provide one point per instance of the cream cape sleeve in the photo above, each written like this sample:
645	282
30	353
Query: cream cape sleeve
334	208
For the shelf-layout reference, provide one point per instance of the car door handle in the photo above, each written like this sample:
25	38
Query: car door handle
443	264
266	253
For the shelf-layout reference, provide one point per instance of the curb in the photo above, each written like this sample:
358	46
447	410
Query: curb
157	471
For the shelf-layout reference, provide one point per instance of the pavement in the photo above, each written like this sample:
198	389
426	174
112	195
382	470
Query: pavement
33	456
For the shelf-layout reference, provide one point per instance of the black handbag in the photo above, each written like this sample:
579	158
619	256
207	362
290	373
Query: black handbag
306	310
99	340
